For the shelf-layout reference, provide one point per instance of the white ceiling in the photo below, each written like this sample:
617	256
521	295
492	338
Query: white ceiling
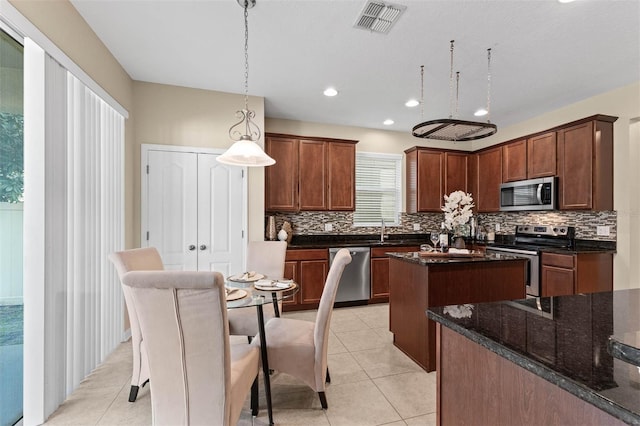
544	54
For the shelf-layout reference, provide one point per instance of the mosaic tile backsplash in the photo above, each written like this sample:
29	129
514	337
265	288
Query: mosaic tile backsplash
313	223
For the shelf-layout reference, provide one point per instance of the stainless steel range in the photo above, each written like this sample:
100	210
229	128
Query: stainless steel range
530	241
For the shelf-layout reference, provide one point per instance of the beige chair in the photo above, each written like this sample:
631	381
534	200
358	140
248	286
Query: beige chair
198	378
142	259
264	257
299	348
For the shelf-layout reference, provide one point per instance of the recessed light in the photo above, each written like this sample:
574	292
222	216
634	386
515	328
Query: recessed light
330	92
412	103
481	112
566	1
388	122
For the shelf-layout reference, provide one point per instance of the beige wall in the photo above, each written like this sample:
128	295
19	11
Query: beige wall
64	26
170	115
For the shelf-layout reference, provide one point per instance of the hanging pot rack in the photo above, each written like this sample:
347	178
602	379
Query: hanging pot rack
453	129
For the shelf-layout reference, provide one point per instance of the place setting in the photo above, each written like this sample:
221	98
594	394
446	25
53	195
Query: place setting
273	285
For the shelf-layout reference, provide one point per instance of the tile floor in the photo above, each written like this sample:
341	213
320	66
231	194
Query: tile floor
372	383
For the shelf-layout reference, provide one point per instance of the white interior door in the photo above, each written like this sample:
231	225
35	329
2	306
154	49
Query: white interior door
194	211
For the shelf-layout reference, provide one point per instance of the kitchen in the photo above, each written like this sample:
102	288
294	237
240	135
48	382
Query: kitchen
172	115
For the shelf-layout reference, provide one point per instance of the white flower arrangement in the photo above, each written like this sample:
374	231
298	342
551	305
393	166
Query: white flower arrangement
457	210
459	311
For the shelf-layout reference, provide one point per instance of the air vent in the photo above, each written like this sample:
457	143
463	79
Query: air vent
379	17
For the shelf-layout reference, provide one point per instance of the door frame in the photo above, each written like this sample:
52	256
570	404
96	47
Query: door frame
144	188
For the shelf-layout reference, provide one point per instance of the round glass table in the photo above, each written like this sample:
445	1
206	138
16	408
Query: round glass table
244	294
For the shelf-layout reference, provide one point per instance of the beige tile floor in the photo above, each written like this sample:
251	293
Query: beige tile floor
372	383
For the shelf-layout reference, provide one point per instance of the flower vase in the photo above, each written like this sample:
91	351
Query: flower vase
458	242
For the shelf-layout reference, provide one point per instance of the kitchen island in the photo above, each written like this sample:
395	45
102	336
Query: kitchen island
550	360
418	282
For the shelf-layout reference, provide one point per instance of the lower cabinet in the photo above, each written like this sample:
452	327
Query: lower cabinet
309	269
380	271
563	274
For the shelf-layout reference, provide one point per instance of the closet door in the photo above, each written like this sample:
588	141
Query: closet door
173	208
219	216
194	211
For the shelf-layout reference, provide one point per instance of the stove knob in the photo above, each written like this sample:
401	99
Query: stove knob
555	229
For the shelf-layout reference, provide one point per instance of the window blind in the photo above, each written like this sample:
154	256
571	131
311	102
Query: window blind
377	189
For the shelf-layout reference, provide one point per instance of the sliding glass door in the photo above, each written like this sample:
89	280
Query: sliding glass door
11	239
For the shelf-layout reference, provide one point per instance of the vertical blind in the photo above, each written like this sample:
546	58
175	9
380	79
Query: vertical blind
377	189
74	217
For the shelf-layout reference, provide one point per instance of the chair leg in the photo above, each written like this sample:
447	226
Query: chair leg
133	393
328	379
323	400
249	338
254	397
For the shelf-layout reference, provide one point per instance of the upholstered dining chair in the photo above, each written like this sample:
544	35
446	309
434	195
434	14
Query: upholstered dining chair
141	259
299	348
264	257
198	378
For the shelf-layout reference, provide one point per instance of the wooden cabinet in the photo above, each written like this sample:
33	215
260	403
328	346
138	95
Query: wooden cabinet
514	161
541	155
310	174
585	165
380	271
488	169
308	268
432	173
563	274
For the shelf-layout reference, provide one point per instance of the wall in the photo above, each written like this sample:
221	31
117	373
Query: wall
171	115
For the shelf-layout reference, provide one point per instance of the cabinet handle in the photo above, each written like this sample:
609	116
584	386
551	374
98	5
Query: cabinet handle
203	247
192	247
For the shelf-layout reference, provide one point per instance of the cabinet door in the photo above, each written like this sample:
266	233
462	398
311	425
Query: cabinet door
456	167
341	170
489	173
281	179
313	274
557	281
430	183
514	161
575	167
541	156
380	277
312	171
291	272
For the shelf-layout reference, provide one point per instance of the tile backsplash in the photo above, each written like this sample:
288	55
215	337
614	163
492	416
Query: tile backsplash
586	223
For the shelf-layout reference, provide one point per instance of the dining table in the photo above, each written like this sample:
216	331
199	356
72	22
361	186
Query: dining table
250	292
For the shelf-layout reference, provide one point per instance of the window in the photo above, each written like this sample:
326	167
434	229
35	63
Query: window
377	189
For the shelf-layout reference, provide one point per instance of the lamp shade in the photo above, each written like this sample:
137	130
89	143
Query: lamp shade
245	153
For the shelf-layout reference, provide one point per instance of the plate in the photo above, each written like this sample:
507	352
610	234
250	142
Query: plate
448	254
273	285
238	278
235	293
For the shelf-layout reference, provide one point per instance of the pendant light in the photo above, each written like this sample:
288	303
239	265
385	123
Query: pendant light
245	151
452	129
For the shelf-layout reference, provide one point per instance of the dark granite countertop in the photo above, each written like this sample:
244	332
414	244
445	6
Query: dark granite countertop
564	340
414	257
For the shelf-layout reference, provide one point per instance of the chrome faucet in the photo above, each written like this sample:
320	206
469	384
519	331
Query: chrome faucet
382	229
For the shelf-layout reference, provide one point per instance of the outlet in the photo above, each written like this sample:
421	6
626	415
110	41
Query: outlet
602	231
416	226
497	227
328	227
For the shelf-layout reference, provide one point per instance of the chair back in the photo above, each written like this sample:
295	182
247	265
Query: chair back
183	317
267	257
323	317
140	259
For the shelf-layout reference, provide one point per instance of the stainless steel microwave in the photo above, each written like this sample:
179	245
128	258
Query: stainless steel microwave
531	194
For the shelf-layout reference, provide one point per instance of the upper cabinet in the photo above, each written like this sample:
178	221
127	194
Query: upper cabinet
432	173
488	169
585	164
313	174
530	158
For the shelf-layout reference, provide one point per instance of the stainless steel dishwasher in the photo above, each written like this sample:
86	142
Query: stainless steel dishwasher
355	284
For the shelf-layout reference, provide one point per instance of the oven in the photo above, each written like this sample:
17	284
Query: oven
533	266
529	242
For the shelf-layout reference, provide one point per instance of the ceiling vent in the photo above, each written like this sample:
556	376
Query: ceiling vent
378	16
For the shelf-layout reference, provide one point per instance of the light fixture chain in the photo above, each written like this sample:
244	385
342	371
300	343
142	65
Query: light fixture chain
451	83
246	55
421	91
489	85
457	92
